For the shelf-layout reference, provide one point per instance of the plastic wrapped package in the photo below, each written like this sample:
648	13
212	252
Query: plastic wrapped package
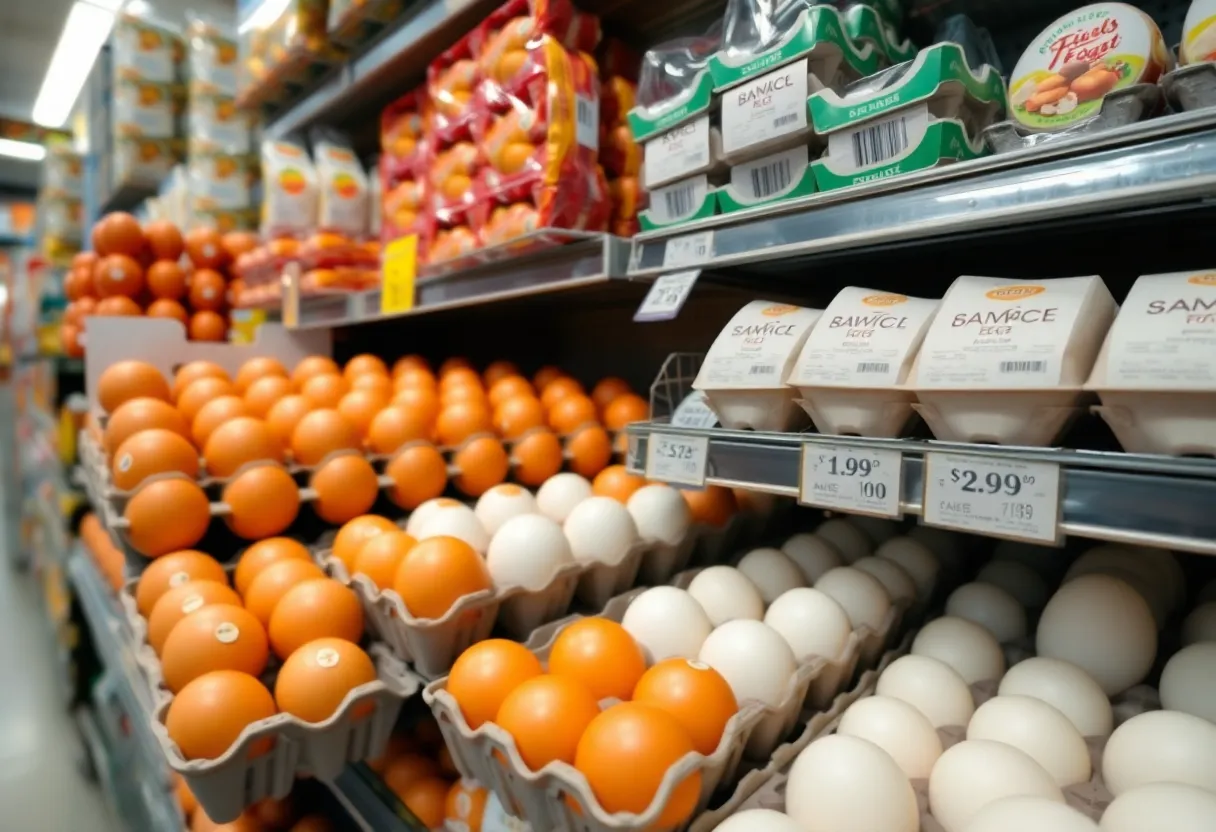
403	134
282	46
452	80
143	49
403	184
220	189
211	58
352	22
620	155
450	158
339	253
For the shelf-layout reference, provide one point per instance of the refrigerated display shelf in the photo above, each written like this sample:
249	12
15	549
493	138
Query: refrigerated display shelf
1154	501
1169	160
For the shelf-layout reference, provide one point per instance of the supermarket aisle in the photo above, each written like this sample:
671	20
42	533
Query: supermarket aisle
40	786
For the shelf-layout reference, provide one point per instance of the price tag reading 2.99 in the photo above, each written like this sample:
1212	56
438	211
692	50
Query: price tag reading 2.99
1001	497
677	459
861	480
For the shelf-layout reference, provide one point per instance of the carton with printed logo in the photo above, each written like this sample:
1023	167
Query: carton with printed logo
1005	361
851	370
1156	374
744	373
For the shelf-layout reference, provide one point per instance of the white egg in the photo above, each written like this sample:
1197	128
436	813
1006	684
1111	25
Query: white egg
967	647
1038	729
1130	566
758	820
849	540
991	607
660	513
932	687
811	623
527	551
898	729
1188	682
840	782
813	554
424	512
456	521
1020	814
1156	807
860	595
1018	579
1065	687
667	622
1104	627
771	571
600	530
1160	747
726	594
878	529
559	494
916	559
753	658
501	503
974	773
1200	625
1044	560
893	577
948	547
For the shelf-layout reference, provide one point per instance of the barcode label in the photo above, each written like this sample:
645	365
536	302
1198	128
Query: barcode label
874	367
1023	366
877	142
782	121
875	145
770	178
761	370
680	201
587	118
761	179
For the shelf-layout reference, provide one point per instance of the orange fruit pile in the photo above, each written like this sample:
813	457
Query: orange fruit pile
418	768
267	815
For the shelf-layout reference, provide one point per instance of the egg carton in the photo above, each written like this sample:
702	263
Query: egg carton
558	796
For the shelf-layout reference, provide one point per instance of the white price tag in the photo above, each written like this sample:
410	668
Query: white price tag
677	459
1006	498
689	250
860	480
666	296
694	412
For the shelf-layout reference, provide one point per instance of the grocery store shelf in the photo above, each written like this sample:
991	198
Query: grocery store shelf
1164	161
127	196
370	803
1125	498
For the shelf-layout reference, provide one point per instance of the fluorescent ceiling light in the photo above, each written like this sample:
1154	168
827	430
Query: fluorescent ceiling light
22	150
85	31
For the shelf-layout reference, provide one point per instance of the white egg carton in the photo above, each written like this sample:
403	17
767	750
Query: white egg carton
558	796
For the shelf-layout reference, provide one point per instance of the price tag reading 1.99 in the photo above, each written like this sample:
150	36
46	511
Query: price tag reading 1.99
1002	497
861	480
677	459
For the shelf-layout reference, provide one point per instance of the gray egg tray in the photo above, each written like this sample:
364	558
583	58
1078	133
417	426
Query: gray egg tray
1125	106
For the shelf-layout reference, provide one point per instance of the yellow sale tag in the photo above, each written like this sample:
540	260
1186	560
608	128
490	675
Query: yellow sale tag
245	323
397	275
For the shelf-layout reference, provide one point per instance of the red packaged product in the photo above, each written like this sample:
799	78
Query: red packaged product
403	134
452	80
516	28
404	207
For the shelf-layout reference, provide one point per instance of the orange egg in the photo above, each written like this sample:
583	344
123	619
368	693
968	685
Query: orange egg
359	407
457	422
427	800
320	433
616	482
126	380
284	415
325	390
239	442
437	573
316	678
264	500
609	390
572	412
546	716
119	232
406	770
559	389
508	387
192	398
166	280
481	463
193	371
415	378
213	414
355	533
713	506
118	276
258	368
263	554
150	452
498	370
394	426
118	306
265	393
205	246
590	450
167	515
375	383
537	457
461	395
185	797
314	365
420	400
215	637
142	414
321	608
209	714
362	365
601	655
626	752
694	693
450	365
173	570
207	290
273	582
274	814
164	240
207	326
625	409
182	600
466	805
419	473
409	362
381	555
517	415
346	487
483	675
546	376
165	308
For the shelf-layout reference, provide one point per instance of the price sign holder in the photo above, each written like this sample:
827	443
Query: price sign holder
676	458
1014	499
853	479
398	272
688	250
666	296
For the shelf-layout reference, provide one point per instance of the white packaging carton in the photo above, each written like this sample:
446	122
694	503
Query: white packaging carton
852	368
1156	374
743	375
1005	360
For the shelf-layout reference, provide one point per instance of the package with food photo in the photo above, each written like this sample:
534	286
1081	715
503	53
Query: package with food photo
339	250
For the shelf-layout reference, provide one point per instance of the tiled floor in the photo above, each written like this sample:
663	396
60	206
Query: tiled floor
41	789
